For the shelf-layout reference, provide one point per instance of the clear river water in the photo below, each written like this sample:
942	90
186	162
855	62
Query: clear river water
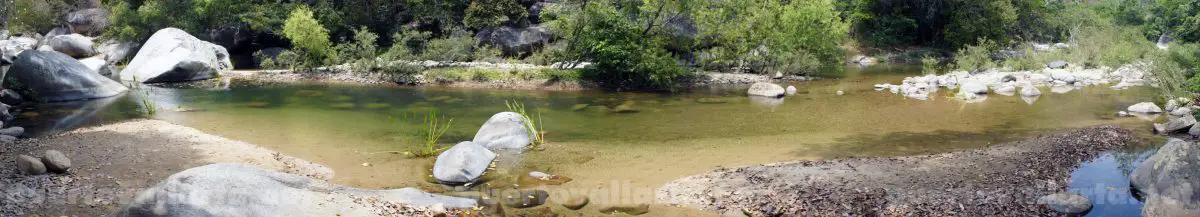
664	137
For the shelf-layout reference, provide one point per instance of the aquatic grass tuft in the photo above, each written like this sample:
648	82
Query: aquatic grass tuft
535	133
434	129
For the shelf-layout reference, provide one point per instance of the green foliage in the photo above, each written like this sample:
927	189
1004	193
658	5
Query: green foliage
975	58
434	129
929	65
33	15
973	20
1179	17
453	48
491	13
624	56
309	36
796	37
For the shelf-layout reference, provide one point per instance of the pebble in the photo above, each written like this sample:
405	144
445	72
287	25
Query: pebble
56	162
30	165
839	92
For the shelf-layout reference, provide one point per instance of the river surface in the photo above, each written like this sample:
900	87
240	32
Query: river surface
667	136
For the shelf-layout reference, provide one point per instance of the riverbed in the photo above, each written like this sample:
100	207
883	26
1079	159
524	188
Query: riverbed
625	143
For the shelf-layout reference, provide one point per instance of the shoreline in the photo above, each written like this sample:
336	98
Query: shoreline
342	75
114	162
1012	176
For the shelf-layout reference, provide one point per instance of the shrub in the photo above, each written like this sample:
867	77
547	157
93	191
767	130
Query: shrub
929	65
453	48
33	15
308	35
975	58
490	13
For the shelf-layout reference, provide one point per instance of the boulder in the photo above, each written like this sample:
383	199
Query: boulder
55	77
463	163
56	32
96	64
1145	108
56	162
1030	91
515	40
10	97
243	190
1195	130
504	130
1179	123
973	87
9	49
88	21
1063	75
1169	180
1058	64
171	55
116	51
30	165
1181	111
1071	204
576	202
1007	90
767	90
7	139
13	131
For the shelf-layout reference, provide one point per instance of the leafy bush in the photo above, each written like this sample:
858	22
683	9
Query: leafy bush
929	65
975	58
453	48
491	13
309	36
33	15
624	58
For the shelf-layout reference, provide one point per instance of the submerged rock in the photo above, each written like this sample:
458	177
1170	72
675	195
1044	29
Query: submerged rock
524	198
30	165
1029	90
505	130
576	202
56	161
463	163
243	190
1170	180
766	89
1067	203
172	55
635	209
973	88
1145	107
54	77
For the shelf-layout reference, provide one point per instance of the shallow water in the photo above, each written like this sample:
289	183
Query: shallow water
669	136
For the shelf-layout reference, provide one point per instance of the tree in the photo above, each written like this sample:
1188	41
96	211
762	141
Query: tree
490	13
308	35
974	20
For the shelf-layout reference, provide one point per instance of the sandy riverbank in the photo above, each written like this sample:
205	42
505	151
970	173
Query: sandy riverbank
1002	180
114	162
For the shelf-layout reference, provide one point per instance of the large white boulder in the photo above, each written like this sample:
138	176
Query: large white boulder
463	163
766	89
172	55
243	190
74	45
504	130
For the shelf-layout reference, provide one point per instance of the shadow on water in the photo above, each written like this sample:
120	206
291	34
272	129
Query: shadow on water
52	118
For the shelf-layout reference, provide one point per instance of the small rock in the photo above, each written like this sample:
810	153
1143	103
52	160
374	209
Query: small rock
778	75
791	90
840	92
6	139
524	198
1057	64
576	202
56	161
30	165
1122	114
540	175
366	164
1030	91
637	209
13	131
1181	111
1067	203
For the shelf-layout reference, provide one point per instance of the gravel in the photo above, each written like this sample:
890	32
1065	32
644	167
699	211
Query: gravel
1002	180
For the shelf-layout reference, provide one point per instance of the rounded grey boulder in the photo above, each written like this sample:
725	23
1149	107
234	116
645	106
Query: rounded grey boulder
463	163
10	97
1057	64
172	55
1067	203
88	21
766	89
74	45
56	162
49	76
13	131
243	190
504	130
30	165
1170	179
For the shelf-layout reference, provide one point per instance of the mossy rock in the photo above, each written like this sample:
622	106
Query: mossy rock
626	107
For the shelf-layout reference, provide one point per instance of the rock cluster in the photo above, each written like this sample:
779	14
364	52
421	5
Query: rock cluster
1169	180
1060	77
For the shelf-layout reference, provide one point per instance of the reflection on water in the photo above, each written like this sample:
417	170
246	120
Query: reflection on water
645	139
